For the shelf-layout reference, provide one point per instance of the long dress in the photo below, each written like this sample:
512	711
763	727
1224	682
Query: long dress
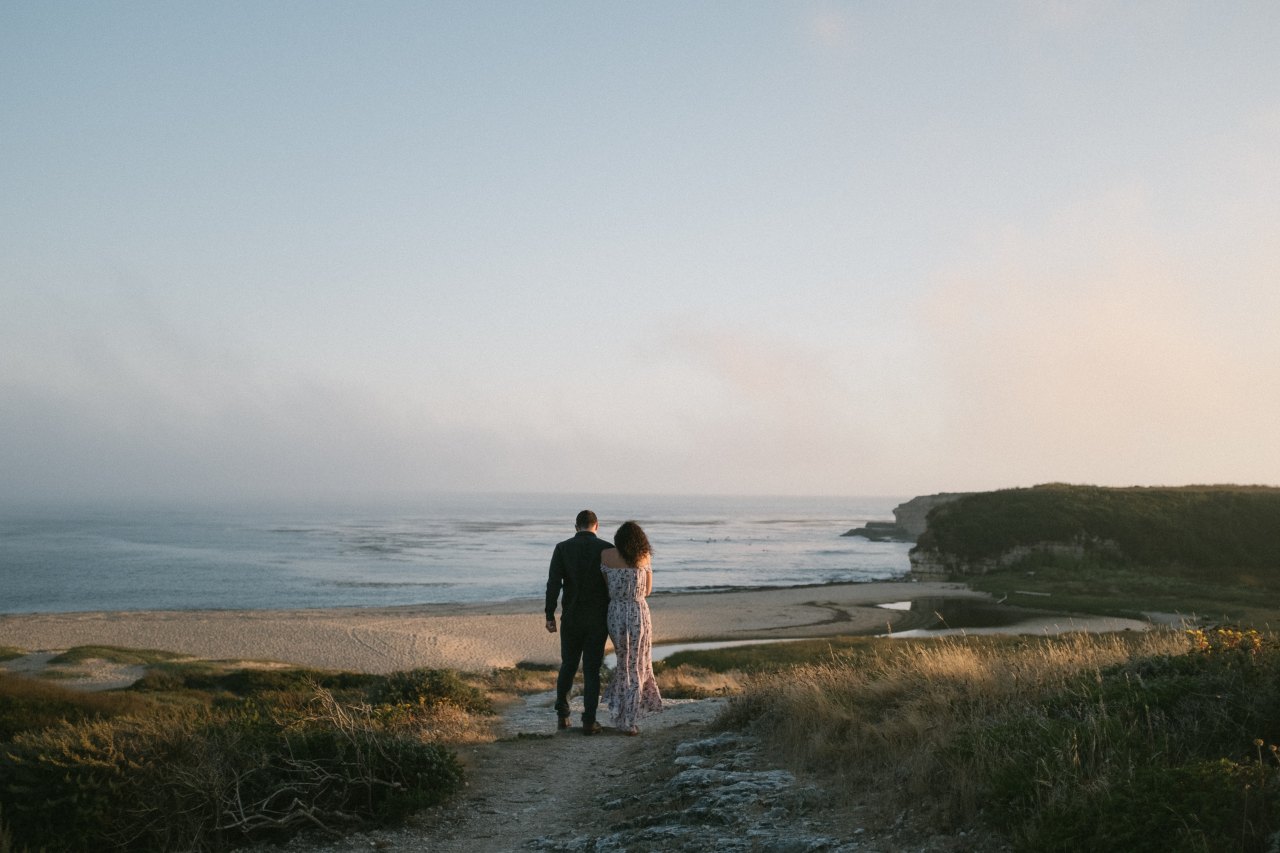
632	692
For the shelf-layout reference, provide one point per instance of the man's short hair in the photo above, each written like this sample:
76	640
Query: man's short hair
585	520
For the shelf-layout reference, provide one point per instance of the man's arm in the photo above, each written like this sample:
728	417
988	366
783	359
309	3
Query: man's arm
555	580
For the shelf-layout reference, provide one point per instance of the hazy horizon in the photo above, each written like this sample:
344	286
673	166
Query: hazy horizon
280	252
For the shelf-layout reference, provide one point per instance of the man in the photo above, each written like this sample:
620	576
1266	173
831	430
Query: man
584	625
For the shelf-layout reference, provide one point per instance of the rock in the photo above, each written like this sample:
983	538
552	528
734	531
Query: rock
909	519
730	807
881	531
935	565
913	515
712	744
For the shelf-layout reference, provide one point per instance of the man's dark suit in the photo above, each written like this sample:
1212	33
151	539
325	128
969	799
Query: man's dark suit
584	627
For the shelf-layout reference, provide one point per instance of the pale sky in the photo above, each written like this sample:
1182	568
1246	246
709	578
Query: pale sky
282	249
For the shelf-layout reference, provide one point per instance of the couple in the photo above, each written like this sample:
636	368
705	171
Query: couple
604	598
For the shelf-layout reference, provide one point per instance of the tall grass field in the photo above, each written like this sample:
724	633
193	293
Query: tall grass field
1154	742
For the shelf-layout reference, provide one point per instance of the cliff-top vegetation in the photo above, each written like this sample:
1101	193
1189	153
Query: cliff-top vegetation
1234	528
1209	550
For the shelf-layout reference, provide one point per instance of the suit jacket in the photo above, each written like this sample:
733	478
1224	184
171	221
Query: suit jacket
575	567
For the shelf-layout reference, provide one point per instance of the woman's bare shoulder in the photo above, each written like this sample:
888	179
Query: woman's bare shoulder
611	558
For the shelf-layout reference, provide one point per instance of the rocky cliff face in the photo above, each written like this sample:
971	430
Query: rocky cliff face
908	520
930	565
911	516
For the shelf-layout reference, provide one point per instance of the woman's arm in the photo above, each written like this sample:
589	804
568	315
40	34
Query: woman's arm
648	581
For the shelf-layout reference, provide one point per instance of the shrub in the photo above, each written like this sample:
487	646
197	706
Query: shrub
248	681
203	780
29	704
338	769
427	688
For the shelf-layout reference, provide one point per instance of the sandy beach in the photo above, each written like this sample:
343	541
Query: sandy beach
478	637
462	636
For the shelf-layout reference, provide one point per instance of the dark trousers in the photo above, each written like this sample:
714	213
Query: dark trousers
585	644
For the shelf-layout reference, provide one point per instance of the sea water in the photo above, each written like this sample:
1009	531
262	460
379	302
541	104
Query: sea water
438	549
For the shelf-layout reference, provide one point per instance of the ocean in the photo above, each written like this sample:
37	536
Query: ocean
439	549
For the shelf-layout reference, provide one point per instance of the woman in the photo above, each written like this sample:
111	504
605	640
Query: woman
632	693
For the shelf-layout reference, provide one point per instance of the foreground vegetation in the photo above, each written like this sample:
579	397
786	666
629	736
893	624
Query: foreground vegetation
1160	742
1156	741
197	756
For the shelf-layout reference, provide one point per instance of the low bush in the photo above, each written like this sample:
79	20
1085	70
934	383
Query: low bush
29	704
206	780
248	680
430	688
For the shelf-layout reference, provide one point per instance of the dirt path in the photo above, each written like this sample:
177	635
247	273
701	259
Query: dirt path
677	788
537	783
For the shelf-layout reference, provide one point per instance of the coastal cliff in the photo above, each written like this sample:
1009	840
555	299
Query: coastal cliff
1194	529
909	519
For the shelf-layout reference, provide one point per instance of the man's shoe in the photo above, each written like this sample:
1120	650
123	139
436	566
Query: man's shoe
591	728
562	723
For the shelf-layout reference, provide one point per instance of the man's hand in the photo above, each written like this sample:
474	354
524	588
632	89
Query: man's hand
551	626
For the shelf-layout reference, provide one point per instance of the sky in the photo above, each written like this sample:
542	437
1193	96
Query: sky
321	249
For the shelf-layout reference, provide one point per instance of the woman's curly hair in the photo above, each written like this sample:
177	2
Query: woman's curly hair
631	543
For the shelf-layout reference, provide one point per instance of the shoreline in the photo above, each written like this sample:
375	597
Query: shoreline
457	605
467	636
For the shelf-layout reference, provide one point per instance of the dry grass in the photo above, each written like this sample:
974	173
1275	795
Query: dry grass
693	682
508	683
892	710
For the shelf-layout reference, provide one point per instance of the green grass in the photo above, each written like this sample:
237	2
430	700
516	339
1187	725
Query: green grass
1085	586
114	654
11	653
771	657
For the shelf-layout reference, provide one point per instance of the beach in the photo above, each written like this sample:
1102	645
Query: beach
461	636
473	637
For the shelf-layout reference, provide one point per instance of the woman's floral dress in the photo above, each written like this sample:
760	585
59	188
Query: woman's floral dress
632	693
